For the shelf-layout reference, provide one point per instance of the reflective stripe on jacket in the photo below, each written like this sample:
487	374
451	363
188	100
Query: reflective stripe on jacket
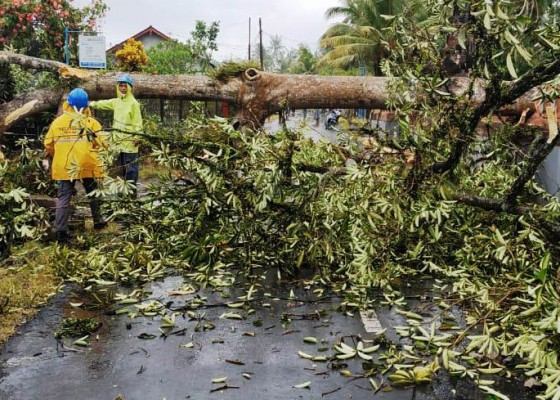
74	148
127	117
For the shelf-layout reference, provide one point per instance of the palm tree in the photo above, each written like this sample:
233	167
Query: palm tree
305	62
277	52
358	39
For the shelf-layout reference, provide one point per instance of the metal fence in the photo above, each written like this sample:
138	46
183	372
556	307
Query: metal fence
167	110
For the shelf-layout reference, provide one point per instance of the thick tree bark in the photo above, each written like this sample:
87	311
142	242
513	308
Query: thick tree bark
263	94
255	94
7	57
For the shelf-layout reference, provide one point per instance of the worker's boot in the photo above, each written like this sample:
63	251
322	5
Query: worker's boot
62	237
100	225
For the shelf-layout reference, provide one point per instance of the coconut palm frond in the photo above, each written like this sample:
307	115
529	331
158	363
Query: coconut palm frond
358	48
340	62
337	41
359	38
355	31
337	30
350	10
352	55
365	30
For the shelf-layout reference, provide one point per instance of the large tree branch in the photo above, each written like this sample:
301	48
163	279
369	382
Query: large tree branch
540	149
525	91
486	203
552	229
27	104
24	61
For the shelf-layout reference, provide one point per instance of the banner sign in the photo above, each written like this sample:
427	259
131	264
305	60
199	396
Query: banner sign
92	52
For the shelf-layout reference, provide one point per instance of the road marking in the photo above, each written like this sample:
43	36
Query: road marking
370	321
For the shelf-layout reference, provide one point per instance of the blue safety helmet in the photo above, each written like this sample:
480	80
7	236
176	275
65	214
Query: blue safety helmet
78	98
125	78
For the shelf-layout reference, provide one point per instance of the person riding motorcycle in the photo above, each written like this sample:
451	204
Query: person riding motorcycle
332	118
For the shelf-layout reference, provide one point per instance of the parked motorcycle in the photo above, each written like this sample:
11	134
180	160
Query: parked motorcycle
332	119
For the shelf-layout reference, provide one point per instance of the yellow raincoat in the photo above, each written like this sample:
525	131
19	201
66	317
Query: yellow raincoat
127	117
73	140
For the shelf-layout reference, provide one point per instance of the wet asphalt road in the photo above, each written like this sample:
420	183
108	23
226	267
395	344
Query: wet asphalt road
306	125
263	346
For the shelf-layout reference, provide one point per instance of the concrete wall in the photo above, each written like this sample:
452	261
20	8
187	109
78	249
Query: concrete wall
548	174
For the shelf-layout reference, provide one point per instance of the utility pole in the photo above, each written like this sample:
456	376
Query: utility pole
261	45
249	52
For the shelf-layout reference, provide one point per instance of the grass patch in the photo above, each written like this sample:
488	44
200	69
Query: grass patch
26	283
151	171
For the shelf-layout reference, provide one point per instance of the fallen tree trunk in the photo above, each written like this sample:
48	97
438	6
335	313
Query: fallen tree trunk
255	94
26	105
258	94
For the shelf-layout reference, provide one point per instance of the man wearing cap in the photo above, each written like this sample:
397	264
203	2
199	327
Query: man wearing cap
73	141
127	122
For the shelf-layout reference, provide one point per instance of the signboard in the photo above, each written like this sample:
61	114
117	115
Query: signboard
92	52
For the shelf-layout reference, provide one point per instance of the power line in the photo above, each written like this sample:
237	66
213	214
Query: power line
284	38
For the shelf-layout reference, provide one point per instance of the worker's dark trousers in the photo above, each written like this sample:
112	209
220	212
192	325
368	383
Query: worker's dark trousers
65	189
129	164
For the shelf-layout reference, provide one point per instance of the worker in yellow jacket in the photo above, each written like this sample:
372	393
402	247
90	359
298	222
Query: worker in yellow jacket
73	141
127	122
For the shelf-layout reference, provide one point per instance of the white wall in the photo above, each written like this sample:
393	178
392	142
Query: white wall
149	41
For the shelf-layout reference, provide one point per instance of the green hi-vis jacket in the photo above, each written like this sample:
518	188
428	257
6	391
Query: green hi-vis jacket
126	118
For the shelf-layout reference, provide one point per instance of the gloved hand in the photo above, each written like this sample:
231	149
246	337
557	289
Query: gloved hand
46	164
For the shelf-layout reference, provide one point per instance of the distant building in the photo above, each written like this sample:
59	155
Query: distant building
149	37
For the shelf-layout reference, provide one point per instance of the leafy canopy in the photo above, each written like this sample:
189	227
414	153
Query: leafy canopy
132	56
36	27
194	56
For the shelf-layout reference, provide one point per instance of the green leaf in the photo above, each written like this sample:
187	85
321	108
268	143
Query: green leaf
231	316
500	14
523	52
461	39
83	341
146	336
304	385
236	305
487	21
510	66
387	17
553	46
510	37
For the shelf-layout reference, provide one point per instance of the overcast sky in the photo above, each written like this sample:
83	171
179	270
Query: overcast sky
295	21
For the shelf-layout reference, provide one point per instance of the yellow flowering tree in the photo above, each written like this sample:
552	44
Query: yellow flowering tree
132	57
